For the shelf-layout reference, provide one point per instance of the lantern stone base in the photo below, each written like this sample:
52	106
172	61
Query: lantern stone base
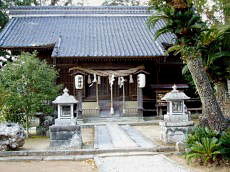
174	132
183	117
65	136
65	122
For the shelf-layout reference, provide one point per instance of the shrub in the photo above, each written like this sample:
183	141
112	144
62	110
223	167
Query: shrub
207	145
206	150
30	84
225	143
198	133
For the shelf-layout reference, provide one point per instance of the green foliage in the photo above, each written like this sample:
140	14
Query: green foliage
181	20
215	49
216	55
206	150
225	143
207	145
30	84
198	133
195	38
3	14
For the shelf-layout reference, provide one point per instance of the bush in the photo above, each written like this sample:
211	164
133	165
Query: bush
198	133
207	145
30	85
225	143
206	150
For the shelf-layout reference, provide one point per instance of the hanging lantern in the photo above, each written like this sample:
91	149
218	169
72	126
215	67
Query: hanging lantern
141	80
79	82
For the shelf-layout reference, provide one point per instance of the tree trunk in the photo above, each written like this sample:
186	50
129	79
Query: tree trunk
53	2
27	125
212	115
221	90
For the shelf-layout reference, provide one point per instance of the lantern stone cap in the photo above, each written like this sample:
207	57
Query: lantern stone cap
65	98
175	95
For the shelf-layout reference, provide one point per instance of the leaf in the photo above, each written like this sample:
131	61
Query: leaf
185	70
215	56
193	20
174	48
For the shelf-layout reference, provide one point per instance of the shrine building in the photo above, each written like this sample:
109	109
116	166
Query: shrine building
107	57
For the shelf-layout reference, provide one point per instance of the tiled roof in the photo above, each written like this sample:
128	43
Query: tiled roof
85	35
57	10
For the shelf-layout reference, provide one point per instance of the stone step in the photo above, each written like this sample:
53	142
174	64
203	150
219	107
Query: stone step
118	119
77	152
102	139
138	137
119	138
47	158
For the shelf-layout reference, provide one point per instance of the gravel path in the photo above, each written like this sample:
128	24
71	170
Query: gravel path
154	163
48	166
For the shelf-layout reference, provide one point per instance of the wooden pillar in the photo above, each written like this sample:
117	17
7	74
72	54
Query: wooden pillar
79	105
140	101
111	106
123	95
97	94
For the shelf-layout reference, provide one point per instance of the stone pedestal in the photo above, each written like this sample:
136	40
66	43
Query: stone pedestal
65	133
172	132
65	122
65	136
176	122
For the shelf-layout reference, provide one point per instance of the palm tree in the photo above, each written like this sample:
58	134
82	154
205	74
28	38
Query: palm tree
216	56
216	60
181	19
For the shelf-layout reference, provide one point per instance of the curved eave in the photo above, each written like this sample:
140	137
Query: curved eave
47	46
106	57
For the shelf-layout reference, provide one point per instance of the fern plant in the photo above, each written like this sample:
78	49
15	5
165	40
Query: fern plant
198	133
207	150
225	143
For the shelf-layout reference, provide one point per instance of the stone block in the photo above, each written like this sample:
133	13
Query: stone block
65	136
55	128
65	122
174	132
180	147
59	143
62	135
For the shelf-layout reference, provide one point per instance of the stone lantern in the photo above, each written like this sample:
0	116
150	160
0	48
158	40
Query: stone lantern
176	122
65	104
176	109
65	133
